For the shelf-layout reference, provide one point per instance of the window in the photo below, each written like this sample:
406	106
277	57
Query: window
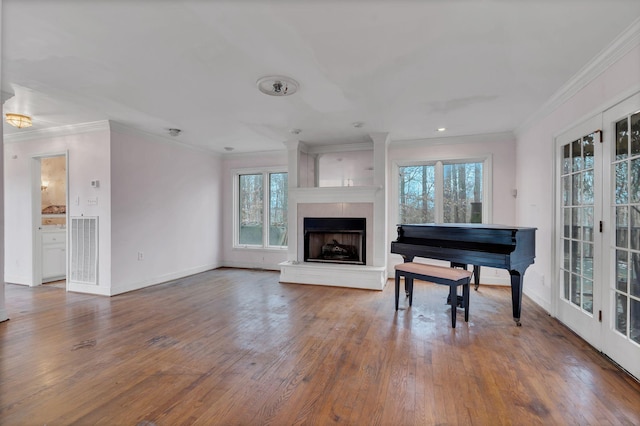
261	198
447	191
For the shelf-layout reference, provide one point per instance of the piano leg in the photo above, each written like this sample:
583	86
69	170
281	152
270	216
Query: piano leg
407	258
476	277
516	295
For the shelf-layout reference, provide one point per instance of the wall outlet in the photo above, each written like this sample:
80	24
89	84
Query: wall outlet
140	255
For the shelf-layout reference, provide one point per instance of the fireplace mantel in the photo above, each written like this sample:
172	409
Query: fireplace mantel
338	194
344	201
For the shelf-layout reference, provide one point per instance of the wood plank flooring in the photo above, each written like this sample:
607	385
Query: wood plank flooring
236	347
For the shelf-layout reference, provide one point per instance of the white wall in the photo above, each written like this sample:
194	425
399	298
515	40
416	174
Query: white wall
88	154
240	257
535	162
502	150
166	205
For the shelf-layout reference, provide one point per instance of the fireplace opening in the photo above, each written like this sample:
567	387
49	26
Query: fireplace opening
335	240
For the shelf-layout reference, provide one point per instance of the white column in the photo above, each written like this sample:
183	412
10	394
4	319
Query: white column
293	162
380	173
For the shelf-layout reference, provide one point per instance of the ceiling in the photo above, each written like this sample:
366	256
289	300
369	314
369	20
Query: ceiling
406	67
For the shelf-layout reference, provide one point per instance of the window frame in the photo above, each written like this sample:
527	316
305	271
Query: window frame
266	188
439	162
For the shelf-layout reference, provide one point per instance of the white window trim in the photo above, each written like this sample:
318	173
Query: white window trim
487	188
265	172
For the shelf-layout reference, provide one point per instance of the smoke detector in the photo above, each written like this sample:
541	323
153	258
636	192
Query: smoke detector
277	85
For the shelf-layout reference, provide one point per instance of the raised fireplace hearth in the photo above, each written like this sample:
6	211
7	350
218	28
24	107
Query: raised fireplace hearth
335	240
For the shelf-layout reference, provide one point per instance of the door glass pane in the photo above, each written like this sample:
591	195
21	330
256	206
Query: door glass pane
621	313
622	139
566	159
587	218
622	230
575	223
587	295
621	270
634	329
635	134
567	255
566	191
251	210
576	193
566	285
566	223
587	151
634	275
621	183
587	260
634	188
576	154
634	239
575	257
587	187
575	289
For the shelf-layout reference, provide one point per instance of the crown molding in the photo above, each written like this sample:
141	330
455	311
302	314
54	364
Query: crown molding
451	140
51	132
620	46
346	147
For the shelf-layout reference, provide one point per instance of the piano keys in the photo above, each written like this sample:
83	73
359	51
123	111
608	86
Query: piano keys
497	246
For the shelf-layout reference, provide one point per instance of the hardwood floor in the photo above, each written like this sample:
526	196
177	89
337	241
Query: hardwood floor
236	347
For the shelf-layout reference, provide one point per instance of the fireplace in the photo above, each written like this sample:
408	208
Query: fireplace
335	240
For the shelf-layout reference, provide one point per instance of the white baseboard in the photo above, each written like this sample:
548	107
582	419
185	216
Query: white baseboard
251	265
161	279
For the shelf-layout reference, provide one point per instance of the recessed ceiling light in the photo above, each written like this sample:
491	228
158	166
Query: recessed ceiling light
358	124
277	85
174	132
295	131
442	129
228	148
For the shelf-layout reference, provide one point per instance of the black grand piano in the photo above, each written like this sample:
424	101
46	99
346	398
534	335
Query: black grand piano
498	246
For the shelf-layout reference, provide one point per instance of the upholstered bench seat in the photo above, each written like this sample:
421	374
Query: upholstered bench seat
438	275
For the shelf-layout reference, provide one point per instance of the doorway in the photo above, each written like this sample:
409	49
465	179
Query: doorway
50	220
598	232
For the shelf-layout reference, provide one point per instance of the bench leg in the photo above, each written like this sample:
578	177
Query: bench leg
408	282
465	297
453	298
397	288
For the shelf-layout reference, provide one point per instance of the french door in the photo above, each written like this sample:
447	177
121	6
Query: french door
622	236
579	242
598	237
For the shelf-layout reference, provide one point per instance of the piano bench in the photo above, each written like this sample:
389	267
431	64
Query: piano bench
438	275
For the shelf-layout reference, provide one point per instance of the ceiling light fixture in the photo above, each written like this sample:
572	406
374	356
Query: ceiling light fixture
174	132
228	148
358	124
18	120
277	85
295	131
441	129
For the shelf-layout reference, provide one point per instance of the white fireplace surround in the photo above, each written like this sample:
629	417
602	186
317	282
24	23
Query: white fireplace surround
354	201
